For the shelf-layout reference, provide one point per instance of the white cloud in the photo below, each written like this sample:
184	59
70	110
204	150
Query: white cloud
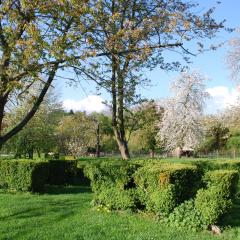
92	103
222	97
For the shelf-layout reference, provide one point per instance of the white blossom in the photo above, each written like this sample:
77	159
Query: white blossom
233	58
181	124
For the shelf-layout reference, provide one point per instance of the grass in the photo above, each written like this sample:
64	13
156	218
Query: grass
66	213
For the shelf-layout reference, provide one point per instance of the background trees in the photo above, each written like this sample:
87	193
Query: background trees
146	126
181	124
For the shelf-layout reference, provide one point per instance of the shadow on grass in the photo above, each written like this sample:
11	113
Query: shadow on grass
54	189
232	218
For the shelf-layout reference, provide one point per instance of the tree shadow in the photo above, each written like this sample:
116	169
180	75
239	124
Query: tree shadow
56	189
232	218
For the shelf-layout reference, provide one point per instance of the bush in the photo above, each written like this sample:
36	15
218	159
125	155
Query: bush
210	165
225	180
216	199
62	172
80	177
186	216
112	183
23	175
161	187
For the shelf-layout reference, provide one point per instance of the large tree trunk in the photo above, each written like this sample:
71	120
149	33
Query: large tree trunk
117	112
122	145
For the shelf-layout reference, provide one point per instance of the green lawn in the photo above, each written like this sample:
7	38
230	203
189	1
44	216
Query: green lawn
66	213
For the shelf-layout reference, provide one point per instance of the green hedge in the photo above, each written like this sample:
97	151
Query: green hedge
161	187
112	183
139	185
210	165
23	175
216	199
62	172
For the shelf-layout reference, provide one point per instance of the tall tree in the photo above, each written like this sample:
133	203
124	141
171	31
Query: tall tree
135	34
181	124
37	38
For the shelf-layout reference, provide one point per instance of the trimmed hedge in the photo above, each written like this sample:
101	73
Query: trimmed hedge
62	172
161	187
216	199
134	185
23	175
112	183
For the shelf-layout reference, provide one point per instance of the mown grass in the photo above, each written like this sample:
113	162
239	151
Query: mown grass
66	213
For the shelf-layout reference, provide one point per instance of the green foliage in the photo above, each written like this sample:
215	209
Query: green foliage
112	183
233	141
216	136
216	199
163	186
185	216
224	180
162	200
23	175
62	172
211	204
117	199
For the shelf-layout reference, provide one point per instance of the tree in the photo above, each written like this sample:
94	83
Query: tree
216	134
76	133
146	124
39	135
181	124
37	38
105	141
233	57
136	34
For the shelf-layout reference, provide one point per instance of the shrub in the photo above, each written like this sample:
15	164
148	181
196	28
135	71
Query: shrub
80	177
216	199
186	216
225	180
161	187
23	175
62	172
112	183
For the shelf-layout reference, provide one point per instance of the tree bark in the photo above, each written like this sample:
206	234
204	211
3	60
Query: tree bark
98	141
117	109
152	153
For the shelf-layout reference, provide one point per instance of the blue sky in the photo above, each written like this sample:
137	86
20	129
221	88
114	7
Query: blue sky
212	64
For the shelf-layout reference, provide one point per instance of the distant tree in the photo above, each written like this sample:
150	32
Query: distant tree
104	133
76	133
39	135
145	127
181	124
216	134
233	143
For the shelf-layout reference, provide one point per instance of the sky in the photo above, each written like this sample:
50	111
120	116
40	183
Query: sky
223	91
